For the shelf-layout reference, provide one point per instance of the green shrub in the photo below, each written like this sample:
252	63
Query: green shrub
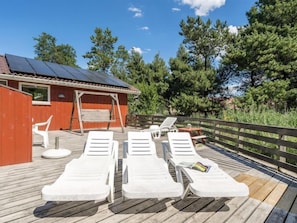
262	117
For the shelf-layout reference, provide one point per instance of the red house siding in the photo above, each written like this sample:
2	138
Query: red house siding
61	108
15	127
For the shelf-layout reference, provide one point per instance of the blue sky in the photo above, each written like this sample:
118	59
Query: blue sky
148	26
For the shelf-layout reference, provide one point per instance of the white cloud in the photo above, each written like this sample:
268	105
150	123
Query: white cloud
138	14
203	7
139	50
137	11
175	9
233	29
144	28
136	50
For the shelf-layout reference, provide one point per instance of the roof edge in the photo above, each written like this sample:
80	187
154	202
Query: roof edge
10	76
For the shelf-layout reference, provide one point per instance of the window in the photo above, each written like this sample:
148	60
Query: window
40	93
3	82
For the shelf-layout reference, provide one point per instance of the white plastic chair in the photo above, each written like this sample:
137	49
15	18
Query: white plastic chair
214	183
91	176
144	174
166	126
43	133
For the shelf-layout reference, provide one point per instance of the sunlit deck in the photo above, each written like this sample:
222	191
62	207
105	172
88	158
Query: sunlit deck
273	196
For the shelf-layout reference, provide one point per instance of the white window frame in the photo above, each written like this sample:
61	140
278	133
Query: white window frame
34	102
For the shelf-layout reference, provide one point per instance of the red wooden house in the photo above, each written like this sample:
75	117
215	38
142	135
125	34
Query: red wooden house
54	89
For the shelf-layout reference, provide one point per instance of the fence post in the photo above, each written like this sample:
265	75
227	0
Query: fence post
215	131
152	120
239	138
282	148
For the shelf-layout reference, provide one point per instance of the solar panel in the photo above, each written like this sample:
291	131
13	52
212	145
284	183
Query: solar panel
41	68
98	78
78	75
118	82
60	71
38	67
19	64
111	80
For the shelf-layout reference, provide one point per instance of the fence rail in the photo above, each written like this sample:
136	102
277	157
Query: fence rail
275	145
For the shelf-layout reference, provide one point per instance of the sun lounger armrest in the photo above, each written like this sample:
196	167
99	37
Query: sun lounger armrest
115	152
40	124
111	174
179	175
166	150
125	171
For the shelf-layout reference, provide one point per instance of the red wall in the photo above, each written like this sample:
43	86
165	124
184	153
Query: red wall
61	108
15	127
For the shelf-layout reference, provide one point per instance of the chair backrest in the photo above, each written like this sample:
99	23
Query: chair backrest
99	143
168	122
48	123
181	144
141	143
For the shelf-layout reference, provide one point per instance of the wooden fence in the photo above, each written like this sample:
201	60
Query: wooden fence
275	145
15	126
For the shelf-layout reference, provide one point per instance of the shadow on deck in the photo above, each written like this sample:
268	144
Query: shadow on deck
272	194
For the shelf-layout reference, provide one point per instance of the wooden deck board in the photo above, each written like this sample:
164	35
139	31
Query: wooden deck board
266	207
170	211
283	207
273	196
266	189
149	212
208	211
190	210
292	216
227	210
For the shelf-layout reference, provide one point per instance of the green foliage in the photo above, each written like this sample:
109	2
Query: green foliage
46	49
272	94
203	39
66	55
147	102
266	49
194	78
159	75
137	71
187	105
292	98
263	116
119	67
148	78
101	55
260	61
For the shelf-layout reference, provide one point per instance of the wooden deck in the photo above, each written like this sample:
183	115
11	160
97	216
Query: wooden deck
273	196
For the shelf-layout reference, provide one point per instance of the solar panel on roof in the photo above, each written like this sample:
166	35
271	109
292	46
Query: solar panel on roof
86	73
19	64
78	75
41	68
111	80
60	71
26	65
118	82
99	78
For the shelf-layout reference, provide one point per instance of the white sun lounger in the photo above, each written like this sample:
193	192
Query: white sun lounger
91	176
144	174
214	183
166	126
